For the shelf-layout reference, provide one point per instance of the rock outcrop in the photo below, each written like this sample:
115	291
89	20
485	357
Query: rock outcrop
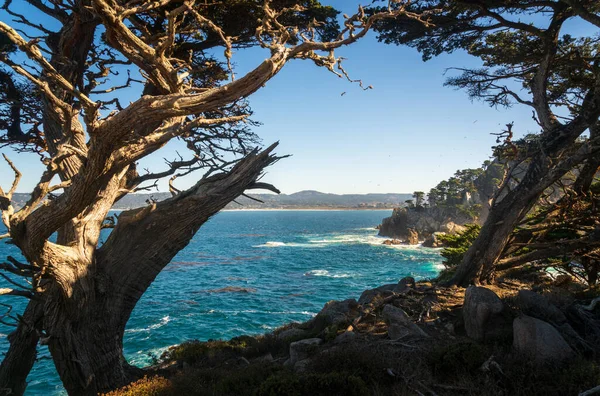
539	341
424	221
481	307
303	349
382	291
335	313
433	240
412	237
400	325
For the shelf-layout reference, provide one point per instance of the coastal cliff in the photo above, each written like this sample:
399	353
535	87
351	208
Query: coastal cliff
425	222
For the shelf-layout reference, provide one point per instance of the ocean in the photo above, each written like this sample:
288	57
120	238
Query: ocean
288	264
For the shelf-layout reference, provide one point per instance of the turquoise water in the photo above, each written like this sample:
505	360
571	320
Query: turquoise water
295	261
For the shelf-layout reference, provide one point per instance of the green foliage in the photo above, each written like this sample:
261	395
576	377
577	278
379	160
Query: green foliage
419	197
194	352
457	245
453	191
510	52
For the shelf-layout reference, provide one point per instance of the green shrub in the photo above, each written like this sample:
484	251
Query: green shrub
457	245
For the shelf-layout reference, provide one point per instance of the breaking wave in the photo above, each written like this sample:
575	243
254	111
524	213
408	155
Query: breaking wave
163	321
320	272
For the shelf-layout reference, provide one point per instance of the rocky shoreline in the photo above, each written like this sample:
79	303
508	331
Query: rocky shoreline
408	338
410	226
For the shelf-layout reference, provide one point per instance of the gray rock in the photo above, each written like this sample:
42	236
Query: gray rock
303	349
369	295
335	313
433	240
292	333
538	306
345	337
302	365
398	332
539	341
404	284
396	316
479	308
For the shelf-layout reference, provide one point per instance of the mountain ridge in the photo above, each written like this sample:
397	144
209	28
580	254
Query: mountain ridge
305	199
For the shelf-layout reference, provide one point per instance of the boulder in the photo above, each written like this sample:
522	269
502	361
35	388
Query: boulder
390	242
302	365
404	284
433	240
538	306
369	295
396	317
395	225
539	341
452	228
480	307
398	332
303	349
345	337
412	237
293	333
335	313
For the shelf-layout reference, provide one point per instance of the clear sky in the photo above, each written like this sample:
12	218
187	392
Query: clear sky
406	134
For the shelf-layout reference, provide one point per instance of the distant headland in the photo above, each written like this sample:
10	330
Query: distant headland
308	199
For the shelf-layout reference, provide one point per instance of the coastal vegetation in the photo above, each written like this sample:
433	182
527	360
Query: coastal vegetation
526	224
537	64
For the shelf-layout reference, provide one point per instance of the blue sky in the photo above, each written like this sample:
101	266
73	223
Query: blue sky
406	134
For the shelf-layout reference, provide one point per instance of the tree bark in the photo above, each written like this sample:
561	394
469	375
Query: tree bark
22	352
86	326
478	263
87	346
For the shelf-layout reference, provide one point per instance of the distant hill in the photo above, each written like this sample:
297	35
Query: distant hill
308	199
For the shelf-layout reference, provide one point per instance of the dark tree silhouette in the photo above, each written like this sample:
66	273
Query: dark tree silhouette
532	64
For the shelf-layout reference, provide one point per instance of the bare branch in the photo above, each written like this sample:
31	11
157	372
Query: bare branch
16	180
33	52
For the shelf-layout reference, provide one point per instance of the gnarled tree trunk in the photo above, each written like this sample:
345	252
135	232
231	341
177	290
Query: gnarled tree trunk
86	328
22	352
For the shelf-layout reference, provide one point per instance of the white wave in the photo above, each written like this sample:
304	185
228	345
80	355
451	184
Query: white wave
318	273
327	274
273	244
143	357
163	321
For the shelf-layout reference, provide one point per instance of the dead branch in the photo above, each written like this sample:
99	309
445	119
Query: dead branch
34	53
